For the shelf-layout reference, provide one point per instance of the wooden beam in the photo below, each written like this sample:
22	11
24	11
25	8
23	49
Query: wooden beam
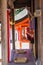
10	4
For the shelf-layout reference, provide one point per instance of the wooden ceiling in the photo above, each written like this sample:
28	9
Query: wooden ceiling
22	3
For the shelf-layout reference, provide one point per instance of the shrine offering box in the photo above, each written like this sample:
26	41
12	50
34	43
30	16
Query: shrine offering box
20	60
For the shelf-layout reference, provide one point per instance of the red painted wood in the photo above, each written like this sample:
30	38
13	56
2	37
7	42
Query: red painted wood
8	23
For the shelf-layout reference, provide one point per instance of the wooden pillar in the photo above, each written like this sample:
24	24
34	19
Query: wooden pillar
42	33
39	5
39	38
32	6
13	28
0	10
4	32
10	4
38	33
